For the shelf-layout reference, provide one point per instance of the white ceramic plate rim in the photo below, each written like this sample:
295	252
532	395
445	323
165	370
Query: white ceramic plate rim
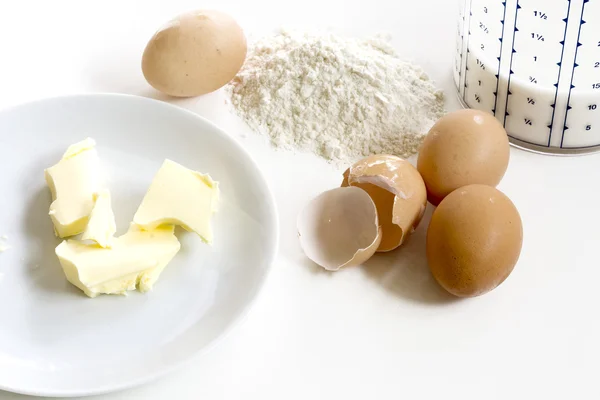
241	313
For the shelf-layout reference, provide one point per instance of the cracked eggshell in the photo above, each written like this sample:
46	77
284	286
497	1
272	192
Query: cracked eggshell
339	228
398	191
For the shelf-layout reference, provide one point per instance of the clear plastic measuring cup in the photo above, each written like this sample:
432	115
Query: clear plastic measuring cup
534	64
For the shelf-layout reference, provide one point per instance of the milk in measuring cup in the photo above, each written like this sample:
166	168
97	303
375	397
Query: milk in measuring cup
534	64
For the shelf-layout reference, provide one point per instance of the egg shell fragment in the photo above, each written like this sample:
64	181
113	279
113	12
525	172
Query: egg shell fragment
196	53
464	147
474	240
398	191
339	228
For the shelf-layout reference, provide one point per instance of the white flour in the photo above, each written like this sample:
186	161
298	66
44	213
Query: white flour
338	97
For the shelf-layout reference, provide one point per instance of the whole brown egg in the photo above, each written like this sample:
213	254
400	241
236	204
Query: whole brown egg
464	147
474	240
195	53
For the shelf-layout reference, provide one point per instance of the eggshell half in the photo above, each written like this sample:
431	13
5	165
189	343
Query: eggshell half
195	53
398	191
339	228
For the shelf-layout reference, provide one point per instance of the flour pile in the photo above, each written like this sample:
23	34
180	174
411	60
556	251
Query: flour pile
338	97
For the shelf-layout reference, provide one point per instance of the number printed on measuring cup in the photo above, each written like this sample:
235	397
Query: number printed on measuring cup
483	28
538	36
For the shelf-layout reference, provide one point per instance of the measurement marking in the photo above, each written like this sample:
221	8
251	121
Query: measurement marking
499	62
462	73
562	54
462	42
510	73
467	53
537	36
575	65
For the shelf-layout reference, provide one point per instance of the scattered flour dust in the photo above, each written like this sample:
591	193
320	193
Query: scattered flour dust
339	97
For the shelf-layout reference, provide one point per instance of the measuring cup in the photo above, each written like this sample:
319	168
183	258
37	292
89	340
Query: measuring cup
535	65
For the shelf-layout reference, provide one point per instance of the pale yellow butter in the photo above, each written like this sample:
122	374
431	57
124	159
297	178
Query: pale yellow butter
135	261
179	196
79	147
73	182
101	227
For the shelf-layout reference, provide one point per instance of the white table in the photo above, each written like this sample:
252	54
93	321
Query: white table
383	331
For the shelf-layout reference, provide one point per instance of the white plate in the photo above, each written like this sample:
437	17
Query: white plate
56	341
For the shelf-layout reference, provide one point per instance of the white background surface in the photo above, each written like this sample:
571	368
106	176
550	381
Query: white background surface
383	331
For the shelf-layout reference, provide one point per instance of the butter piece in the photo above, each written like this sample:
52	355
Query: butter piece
79	147
73	182
101	227
135	261
179	196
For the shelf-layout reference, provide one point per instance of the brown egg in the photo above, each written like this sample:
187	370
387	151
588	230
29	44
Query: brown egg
474	240
463	148
398	192
195	53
